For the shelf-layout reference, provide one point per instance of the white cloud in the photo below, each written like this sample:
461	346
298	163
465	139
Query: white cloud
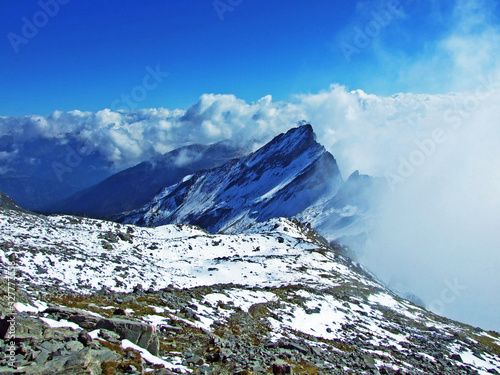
363	131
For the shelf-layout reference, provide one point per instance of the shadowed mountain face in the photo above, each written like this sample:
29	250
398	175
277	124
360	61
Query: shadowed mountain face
136	186
283	178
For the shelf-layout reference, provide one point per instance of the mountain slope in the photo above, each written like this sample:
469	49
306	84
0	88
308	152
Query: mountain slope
136	186
271	299
8	203
282	178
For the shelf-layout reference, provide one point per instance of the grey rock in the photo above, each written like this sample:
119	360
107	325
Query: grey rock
196	360
104	355
74	346
79	363
84	338
110	336
140	334
47	345
129	299
293	346
87	322
42	357
316	310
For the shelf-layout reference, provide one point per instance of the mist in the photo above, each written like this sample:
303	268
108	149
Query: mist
438	235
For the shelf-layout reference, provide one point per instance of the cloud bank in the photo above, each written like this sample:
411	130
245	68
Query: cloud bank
358	128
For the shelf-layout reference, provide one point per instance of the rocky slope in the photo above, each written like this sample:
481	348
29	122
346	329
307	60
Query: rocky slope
8	203
96	297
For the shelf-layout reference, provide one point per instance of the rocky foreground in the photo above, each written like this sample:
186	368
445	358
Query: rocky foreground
83	296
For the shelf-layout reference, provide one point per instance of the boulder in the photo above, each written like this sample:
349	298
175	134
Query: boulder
79	363
138	333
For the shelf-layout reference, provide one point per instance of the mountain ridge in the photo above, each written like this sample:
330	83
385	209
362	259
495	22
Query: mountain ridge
280	179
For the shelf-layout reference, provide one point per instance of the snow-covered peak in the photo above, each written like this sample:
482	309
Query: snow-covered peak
282	178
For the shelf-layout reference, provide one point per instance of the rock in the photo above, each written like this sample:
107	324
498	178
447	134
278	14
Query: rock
189	314
84	338
129	299
105	355
74	346
47	345
87	322
111	237
281	369
213	357
119	312
110	336
293	346
138	289
310	311
138	333
42	357
369	361
79	363
196	360
26	329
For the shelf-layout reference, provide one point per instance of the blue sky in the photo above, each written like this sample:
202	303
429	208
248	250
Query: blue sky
90	53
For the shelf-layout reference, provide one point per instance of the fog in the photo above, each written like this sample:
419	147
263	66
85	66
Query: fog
438	235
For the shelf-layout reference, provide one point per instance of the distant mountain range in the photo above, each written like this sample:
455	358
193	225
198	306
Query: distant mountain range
136	186
37	172
292	175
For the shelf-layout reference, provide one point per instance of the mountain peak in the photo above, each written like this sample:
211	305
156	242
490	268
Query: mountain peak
300	133
282	178
305	129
